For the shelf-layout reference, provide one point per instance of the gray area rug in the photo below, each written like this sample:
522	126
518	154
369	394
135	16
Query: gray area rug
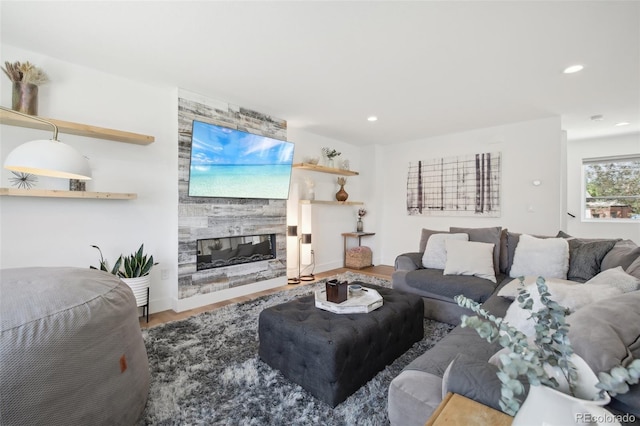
205	370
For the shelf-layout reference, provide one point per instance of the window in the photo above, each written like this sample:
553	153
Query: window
612	188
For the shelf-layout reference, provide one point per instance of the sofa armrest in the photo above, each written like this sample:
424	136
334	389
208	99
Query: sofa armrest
476	380
408	262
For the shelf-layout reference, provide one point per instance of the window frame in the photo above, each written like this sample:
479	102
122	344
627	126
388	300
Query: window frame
583	187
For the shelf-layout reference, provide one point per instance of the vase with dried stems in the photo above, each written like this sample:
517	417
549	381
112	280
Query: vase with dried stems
26	78
342	195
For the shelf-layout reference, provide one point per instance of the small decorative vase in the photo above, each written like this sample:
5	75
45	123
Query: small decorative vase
548	406
330	163
25	98
77	185
342	195
359	225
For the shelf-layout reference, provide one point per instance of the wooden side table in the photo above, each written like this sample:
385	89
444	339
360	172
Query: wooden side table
458	410
357	235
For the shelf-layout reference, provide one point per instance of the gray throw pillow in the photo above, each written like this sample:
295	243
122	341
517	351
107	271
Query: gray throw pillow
585	258
622	254
605	333
484	235
634	268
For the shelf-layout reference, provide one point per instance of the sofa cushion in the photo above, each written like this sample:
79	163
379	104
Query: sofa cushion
448	286
624	253
475	379
513	287
538	256
485	235
607	334
435	254
634	268
616	277
413	396
460	340
585	258
470	258
572	296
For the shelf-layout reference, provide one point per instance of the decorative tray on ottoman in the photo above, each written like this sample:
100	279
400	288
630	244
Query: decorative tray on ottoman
363	302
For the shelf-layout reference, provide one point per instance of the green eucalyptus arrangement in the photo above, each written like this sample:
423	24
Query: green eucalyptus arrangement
134	265
330	153
550	347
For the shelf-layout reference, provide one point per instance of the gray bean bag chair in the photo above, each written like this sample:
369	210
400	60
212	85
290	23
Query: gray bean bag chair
71	350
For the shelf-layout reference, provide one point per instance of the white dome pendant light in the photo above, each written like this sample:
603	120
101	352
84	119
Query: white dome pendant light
47	157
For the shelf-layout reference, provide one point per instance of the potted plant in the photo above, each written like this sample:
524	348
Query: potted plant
134	270
547	361
330	154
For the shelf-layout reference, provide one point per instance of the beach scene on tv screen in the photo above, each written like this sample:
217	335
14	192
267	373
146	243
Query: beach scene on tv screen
235	164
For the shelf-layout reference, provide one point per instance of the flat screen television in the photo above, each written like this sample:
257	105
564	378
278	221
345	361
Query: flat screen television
231	163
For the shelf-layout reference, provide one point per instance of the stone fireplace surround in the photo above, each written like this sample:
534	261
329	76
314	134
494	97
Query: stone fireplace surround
208	218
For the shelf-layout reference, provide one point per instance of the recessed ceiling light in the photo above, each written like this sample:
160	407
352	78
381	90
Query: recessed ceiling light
372	118
622	123
573	68
598	117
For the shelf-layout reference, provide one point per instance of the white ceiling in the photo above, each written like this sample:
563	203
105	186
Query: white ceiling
424	68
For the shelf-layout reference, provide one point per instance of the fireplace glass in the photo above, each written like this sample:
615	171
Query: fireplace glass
227	251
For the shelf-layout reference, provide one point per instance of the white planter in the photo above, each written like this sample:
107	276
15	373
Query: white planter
549	407
139	287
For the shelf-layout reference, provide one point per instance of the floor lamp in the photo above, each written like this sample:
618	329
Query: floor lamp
304	239
292	231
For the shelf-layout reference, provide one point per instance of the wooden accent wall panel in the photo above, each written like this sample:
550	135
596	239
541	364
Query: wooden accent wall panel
200	218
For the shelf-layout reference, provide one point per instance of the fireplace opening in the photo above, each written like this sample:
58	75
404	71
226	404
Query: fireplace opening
227	251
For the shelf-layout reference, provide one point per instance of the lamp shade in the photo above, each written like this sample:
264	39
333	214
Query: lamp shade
48	158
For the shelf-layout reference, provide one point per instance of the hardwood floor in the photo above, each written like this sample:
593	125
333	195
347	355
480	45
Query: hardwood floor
380	271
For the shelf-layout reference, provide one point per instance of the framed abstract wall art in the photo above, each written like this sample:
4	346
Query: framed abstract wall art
467	185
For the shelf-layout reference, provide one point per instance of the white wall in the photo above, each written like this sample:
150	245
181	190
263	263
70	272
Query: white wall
590	148
530	151
327	221
60	232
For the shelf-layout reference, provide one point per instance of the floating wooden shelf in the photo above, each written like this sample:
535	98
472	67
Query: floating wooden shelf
335	203
71	128
54	193
323	169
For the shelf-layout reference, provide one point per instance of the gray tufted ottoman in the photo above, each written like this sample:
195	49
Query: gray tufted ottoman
333	355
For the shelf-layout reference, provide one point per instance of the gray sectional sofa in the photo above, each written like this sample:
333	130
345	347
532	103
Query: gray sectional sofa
605	333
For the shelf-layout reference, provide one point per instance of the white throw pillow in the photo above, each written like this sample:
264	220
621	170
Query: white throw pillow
513	287
546	257
435	254
469	258
616	277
